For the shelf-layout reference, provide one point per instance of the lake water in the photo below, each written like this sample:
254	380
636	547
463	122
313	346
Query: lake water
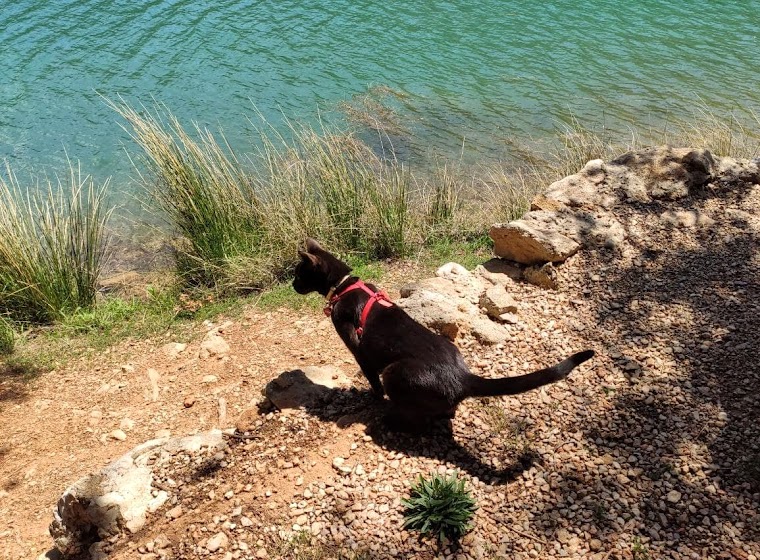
474	75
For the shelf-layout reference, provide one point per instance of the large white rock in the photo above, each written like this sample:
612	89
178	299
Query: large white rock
450	304
118	497
527	243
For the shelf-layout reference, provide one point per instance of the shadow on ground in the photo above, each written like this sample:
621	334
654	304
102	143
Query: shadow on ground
687	429
346	407
15	375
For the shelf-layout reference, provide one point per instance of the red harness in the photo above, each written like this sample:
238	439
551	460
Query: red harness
379	297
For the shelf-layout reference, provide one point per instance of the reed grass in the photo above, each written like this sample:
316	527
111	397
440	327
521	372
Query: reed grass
239	220
734	136
52	245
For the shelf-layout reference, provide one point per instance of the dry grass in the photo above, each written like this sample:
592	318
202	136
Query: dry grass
736	137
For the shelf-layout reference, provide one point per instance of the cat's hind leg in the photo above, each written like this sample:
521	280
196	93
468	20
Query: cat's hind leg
415	394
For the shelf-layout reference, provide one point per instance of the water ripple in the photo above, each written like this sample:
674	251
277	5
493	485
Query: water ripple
484	71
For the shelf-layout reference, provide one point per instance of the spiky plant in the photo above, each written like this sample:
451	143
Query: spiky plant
439	506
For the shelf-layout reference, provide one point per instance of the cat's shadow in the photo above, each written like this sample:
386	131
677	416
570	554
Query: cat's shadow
346	407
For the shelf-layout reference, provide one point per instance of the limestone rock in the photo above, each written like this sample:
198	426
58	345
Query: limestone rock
580	190
596	228
173	349
117	497
462	284
213	345
304	387
687	218
452	270
498	301
450	304
733	171
543	202
523	242
499	271
218	541
663	172
487	331
440	312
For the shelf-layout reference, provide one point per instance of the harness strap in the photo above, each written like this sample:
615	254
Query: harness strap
374	297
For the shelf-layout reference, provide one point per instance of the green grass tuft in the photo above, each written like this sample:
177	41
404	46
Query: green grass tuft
639	551
52	246
7	337
439	507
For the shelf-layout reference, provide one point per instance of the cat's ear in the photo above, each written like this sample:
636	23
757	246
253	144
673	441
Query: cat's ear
308	257
312	246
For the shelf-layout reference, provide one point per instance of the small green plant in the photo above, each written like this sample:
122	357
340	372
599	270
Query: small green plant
639	551
601	513
440	507
7	337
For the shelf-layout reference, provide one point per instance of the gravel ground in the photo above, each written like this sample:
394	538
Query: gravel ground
651	450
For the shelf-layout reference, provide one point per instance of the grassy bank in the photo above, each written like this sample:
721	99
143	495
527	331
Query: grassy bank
237	222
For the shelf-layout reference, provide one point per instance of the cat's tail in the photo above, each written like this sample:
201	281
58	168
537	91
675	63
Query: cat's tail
482	387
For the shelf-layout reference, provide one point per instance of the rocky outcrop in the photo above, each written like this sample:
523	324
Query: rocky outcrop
119	497
580	210
458	301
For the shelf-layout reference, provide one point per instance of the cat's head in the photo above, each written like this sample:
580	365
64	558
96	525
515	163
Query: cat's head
318	270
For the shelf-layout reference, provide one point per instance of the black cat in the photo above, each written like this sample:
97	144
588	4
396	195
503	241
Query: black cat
422	372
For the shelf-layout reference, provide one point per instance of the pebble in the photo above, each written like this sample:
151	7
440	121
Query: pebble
218	541
118	435
174	512
674	496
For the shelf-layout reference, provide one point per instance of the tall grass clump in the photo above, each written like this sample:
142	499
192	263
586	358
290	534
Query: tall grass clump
52	245
200	186
329	183
240	222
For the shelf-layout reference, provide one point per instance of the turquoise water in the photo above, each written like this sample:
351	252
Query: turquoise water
473	74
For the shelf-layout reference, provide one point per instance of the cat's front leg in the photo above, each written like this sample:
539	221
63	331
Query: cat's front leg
377	387
371	374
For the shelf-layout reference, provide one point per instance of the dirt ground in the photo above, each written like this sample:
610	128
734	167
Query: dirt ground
652	450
